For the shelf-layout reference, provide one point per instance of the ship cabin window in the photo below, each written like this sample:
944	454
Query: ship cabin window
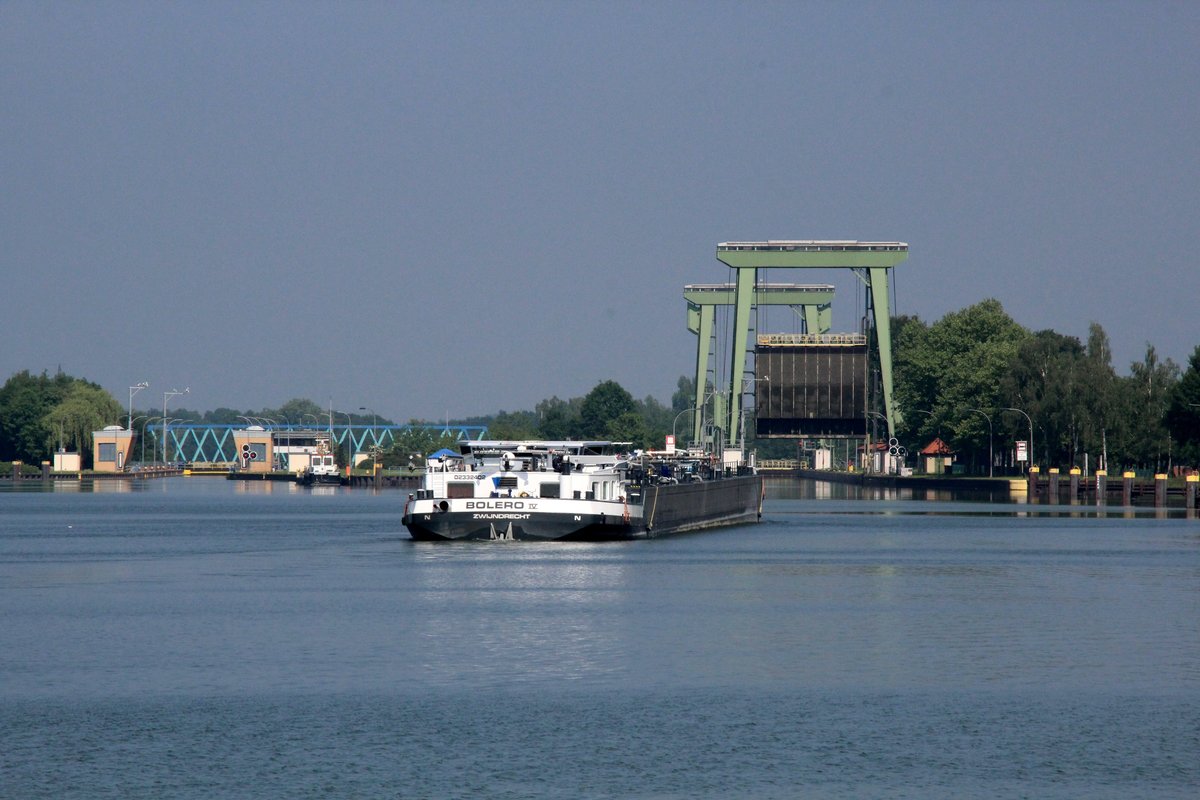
548	490
460	489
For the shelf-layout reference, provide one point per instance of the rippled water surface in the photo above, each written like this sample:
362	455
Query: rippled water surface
197	638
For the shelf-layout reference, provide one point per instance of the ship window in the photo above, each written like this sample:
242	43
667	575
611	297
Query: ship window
548	490
458	489
508	482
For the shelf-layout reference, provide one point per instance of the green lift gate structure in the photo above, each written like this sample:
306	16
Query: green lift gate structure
813	301
871	261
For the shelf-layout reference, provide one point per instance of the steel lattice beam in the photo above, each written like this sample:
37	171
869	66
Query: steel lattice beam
874	259
213	443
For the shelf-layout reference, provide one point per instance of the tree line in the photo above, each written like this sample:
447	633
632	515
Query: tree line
974	378
41	413
977	364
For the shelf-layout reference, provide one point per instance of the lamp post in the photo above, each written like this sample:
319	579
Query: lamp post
132	391
991	459
698	423
917	448
374	416
145	425
130	429
742	422
167	396
693	409
145	428
148	428
1026	416
349	442
871	456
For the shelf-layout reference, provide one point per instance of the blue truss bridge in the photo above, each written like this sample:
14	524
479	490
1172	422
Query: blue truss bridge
207	443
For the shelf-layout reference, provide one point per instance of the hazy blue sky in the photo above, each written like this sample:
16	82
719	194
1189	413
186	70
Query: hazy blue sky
448	208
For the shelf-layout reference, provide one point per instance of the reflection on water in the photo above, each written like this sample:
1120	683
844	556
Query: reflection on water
907	500
804	489
212	638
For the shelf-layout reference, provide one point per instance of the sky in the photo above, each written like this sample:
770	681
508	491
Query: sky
448	209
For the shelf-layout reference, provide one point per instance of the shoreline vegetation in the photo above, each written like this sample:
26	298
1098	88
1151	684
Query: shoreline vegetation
975	379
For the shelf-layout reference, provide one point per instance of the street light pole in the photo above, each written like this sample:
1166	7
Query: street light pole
871	456
132	391
698	430
753	390
693	409
1027	417
991	459
145	425
167	396
349	442
130	429
374	416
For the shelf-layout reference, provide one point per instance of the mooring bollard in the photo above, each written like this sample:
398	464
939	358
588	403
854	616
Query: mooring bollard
45	470
1031	492
1127	488
1052	492
1160	490
1193	481
16	470
1075	473
1101	487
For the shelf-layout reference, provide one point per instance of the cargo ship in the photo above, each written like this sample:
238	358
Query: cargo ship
583	491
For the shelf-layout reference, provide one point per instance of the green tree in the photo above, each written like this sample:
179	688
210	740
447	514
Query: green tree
299	411
1145	396
950	367
685	394
629	427
1046	381
916	371
223	416
656	422
558	420
1100	385
413	444
513	425
25	402
603	404
1183	411
86	408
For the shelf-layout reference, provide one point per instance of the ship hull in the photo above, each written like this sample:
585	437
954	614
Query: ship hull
676	508
666	509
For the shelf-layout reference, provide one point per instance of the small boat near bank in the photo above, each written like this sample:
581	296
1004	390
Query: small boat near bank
589	490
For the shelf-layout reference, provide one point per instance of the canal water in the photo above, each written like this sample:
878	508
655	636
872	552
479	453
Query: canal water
198	638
